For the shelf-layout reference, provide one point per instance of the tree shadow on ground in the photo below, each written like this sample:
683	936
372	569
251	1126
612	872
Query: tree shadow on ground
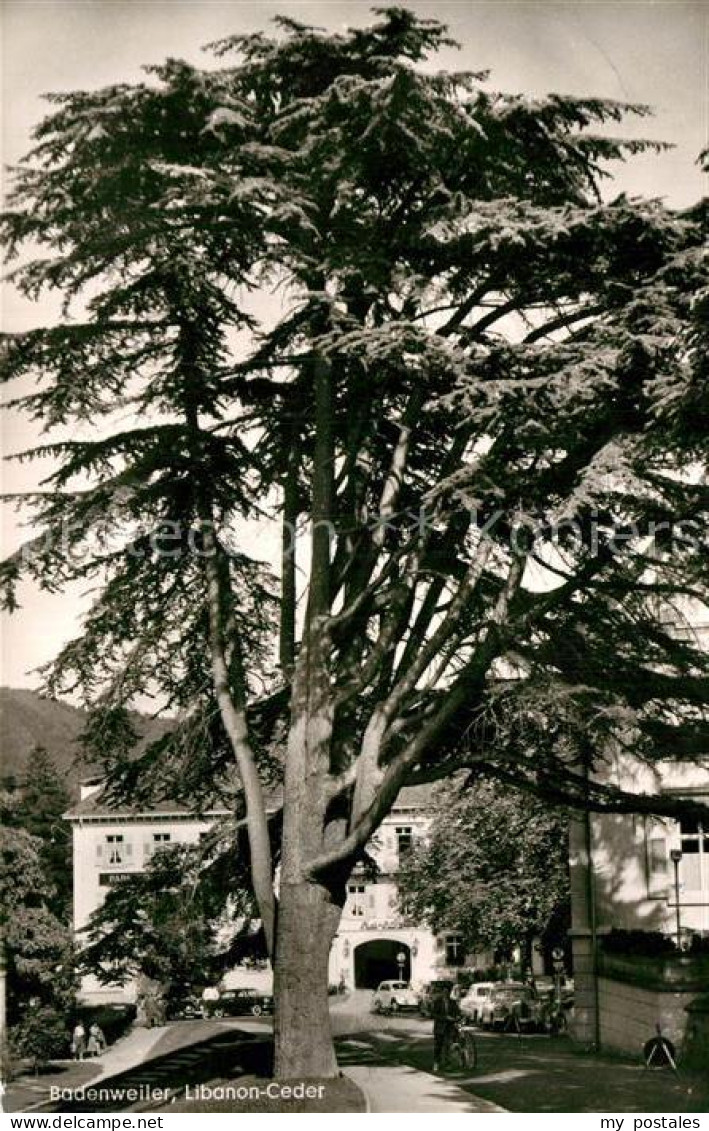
539	1074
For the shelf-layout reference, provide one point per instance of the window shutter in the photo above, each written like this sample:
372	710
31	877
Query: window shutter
657	860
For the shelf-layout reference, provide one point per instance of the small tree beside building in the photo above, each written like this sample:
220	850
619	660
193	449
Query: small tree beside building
494	870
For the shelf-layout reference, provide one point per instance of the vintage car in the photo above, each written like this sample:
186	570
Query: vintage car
511	1005
472	1001
240	1002
183	1007
390	997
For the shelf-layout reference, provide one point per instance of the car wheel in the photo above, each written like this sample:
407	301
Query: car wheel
394	1007
256	1010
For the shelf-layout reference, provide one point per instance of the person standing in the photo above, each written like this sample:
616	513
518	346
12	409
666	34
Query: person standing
97	1042
78	1041
210	997
445	1013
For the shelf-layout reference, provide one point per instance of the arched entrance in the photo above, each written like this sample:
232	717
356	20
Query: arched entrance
376	961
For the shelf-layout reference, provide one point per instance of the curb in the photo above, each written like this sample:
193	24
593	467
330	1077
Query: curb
365	1094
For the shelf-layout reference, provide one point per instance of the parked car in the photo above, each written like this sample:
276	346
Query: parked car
390	997
471	1003
511	1005
428	993
183	1007
242	1001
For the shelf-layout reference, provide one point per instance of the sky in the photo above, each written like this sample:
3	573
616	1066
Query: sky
632	50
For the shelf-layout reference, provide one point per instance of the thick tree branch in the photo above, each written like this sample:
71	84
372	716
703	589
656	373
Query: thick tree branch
232	707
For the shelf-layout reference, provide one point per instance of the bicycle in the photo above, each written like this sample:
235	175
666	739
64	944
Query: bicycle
554	1019
463	1047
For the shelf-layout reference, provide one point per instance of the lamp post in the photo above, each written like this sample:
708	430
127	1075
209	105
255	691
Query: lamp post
675	857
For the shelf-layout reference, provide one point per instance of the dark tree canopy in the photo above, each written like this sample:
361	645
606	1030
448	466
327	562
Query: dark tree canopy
477	373
169	923
38	806
37	945
494	868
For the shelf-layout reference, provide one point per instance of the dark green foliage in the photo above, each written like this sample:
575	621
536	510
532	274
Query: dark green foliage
41	803
643	944
699	945
330	164
495	869
41	1035
482	385
169	924
38	945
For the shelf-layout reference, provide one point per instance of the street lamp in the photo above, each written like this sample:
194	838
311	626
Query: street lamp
400	960
675	857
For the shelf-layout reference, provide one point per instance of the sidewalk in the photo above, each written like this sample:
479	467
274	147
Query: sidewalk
387	1087
132	1049
539	1074
137	1047
403	1089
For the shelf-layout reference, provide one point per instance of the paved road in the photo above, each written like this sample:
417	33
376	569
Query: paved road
391	1058
532	1074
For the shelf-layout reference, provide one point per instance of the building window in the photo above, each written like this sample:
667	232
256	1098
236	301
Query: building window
159	841
657	859
657	870
455	955
404	840
355	893
115	849
694	843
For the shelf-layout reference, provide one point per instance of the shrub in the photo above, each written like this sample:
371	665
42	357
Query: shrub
699	945
637	943
9	1066
41	1035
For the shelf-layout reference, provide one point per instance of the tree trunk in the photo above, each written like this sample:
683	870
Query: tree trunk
307	924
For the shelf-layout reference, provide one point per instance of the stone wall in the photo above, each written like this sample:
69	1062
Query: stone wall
629	1014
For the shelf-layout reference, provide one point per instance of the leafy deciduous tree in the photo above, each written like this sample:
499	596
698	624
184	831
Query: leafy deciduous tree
168	923
38	946
494	868
42	800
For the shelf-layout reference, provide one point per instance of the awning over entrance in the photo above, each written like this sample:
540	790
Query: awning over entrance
378	960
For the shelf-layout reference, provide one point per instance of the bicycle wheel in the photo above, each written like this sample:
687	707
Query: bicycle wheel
468	1050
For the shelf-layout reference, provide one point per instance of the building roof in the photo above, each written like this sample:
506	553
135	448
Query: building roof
97	805
415	797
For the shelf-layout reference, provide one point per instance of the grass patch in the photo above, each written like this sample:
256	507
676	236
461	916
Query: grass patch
30	1090
258	1095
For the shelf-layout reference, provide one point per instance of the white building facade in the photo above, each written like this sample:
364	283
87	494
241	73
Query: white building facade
374	942
110	843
